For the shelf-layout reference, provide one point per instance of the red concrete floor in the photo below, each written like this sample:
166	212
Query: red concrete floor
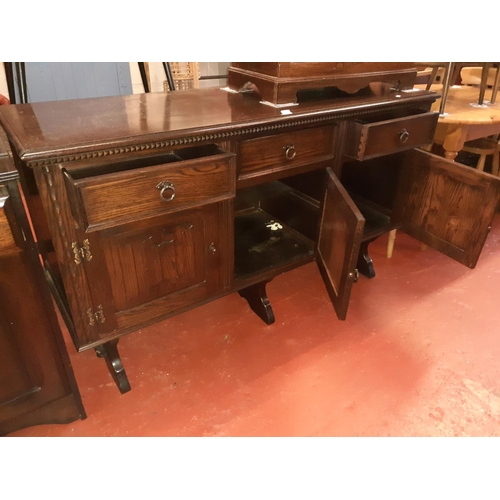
419	355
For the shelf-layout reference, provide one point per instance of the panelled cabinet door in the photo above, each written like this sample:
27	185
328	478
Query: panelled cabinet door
144	270
339	240
446	205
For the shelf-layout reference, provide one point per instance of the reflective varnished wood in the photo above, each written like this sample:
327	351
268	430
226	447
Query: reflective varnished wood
101	126
282	82
149	205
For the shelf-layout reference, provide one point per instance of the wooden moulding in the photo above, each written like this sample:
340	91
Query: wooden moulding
278	83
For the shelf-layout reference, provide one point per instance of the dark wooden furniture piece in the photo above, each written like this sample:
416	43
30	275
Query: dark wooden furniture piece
37	385
282	82
148	205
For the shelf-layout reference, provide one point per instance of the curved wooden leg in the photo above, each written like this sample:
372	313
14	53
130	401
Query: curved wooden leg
257	299
109	351
365	264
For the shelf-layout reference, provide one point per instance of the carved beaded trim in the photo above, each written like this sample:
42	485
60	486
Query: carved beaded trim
57	212
204	137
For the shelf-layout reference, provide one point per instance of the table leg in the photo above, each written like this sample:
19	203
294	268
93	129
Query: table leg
256	297
109	352
454	140
450	155
390	243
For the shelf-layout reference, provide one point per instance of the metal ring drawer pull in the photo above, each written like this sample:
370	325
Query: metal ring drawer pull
404	135
290	151
167	190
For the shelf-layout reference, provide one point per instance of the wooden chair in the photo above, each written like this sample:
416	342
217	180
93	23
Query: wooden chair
483	77
452	71
484	147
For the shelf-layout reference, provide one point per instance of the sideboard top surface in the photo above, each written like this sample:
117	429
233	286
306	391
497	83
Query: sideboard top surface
48	130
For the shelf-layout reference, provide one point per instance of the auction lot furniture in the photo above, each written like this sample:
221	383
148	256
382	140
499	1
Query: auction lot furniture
148	205
37	385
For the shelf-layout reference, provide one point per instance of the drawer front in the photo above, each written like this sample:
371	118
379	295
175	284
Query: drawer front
283	151
107	200
369	140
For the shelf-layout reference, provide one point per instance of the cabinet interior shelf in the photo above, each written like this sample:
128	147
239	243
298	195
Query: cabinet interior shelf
272	228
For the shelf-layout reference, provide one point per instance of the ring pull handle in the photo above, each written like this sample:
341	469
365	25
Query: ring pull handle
290	151
404	135
167	190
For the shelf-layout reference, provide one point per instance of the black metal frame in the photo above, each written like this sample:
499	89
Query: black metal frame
22	87
168	73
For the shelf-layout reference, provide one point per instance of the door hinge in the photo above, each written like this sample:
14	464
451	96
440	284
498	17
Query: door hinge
98	315
82	252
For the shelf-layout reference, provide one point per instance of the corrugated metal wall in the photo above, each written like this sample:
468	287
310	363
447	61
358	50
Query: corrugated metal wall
55	81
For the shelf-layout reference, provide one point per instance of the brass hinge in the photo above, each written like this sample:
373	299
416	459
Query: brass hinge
98	315
82	252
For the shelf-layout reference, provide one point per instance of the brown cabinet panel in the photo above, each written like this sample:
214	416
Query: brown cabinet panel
318	69
112	198
146	270
36	381
339	240
16	381
369	139
156	261
279	82
446	205
282	152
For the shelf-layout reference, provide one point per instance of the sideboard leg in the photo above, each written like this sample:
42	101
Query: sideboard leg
109	351
259	303
365	264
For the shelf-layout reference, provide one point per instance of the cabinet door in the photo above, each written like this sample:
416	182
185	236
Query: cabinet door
341	228
446	205
142	271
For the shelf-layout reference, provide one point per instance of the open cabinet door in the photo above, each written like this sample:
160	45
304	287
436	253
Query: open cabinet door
341	228
446	205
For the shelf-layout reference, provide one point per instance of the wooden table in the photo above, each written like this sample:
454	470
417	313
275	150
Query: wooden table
463	119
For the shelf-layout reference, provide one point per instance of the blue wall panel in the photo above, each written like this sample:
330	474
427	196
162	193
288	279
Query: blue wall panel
56	81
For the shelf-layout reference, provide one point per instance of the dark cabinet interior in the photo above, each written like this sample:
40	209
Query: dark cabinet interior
275	225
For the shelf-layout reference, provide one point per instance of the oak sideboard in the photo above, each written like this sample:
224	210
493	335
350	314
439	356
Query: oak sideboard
148	205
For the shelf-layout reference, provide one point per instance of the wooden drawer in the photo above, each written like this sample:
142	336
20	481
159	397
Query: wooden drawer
389	134
282	152
111	194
